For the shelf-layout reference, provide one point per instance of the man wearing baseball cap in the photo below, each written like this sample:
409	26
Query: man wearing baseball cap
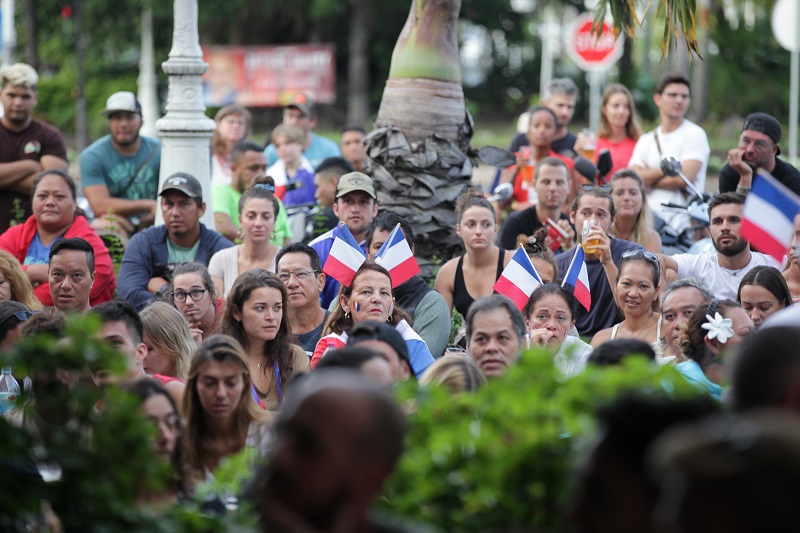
149	257
759	147
119	172
356	205
302	111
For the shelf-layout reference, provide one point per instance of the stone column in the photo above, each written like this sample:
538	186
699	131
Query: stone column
185	130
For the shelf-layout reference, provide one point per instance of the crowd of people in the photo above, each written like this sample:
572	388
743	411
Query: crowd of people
233	331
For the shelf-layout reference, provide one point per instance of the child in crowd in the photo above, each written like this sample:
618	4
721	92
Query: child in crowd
291	167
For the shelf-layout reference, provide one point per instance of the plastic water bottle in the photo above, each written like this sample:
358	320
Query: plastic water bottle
9	390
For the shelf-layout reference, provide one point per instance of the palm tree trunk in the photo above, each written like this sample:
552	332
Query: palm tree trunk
417	154
423	94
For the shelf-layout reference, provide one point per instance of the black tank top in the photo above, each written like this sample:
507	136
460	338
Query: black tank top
462	299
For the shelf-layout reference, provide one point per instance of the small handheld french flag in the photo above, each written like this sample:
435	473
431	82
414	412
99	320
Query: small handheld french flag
395	256
768	215
519	279
345	257
578	277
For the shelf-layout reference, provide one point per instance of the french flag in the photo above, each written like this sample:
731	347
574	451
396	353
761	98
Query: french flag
519	279
345	257
578	277
768	216
395	256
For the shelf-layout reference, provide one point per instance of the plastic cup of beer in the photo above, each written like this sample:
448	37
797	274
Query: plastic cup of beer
589	148
589	245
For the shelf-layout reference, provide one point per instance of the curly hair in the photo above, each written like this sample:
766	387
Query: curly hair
692	340
338	322
534	246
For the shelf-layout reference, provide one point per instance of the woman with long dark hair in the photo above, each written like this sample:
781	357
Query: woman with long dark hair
256	316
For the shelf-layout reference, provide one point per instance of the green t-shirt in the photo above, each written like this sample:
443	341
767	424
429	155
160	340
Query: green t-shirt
226	200
179	254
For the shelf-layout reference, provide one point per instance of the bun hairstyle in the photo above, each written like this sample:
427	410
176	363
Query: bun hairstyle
535	247
261	187
473	198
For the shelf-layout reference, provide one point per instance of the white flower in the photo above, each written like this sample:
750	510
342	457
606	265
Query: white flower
719	328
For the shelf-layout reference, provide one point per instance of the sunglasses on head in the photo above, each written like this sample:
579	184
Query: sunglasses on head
592	187
650	256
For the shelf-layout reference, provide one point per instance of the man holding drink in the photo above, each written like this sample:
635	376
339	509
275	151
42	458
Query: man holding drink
593	212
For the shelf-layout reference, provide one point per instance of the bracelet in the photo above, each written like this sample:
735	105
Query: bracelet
742	190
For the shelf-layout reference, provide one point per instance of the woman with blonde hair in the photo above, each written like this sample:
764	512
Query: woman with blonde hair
169	343
634	220
221	419
619	128
454	373
233	125
14	284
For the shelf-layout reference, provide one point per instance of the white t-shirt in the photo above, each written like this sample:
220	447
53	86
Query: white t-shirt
722	283
687	143
226	267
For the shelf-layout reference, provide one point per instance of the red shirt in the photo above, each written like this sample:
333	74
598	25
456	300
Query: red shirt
621	152
18	238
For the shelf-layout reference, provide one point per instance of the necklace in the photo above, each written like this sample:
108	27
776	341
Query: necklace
735	273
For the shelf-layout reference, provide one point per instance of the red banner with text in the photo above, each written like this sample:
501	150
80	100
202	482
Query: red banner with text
268	76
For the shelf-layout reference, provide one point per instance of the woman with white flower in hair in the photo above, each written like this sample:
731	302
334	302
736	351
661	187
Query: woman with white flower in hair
712	331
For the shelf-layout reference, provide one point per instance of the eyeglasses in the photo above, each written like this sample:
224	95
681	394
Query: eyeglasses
300	275
650	256
758	145
196	295
592	187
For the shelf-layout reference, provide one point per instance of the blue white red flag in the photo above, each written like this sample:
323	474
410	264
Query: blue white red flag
345	257
578	277
395	256
768	216
519	279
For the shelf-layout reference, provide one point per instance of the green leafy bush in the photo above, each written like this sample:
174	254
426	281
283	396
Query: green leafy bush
106	457
502	458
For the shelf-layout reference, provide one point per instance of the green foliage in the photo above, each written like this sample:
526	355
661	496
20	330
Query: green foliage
502	457
105	456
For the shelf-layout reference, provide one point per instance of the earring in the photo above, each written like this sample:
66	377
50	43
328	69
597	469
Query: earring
390	318
347	314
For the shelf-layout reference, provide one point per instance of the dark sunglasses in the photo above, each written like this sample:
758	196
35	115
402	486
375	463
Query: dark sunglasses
22	316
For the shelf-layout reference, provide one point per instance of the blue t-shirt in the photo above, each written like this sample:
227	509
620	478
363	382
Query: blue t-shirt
304	194
38	253
101	164
318	151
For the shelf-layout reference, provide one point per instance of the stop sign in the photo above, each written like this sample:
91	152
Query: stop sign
592	52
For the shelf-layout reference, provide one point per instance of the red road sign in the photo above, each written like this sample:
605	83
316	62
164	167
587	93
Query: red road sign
592	52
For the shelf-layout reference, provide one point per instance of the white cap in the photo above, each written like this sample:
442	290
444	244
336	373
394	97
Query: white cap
122	101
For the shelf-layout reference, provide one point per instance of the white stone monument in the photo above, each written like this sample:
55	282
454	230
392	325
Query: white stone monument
185	130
